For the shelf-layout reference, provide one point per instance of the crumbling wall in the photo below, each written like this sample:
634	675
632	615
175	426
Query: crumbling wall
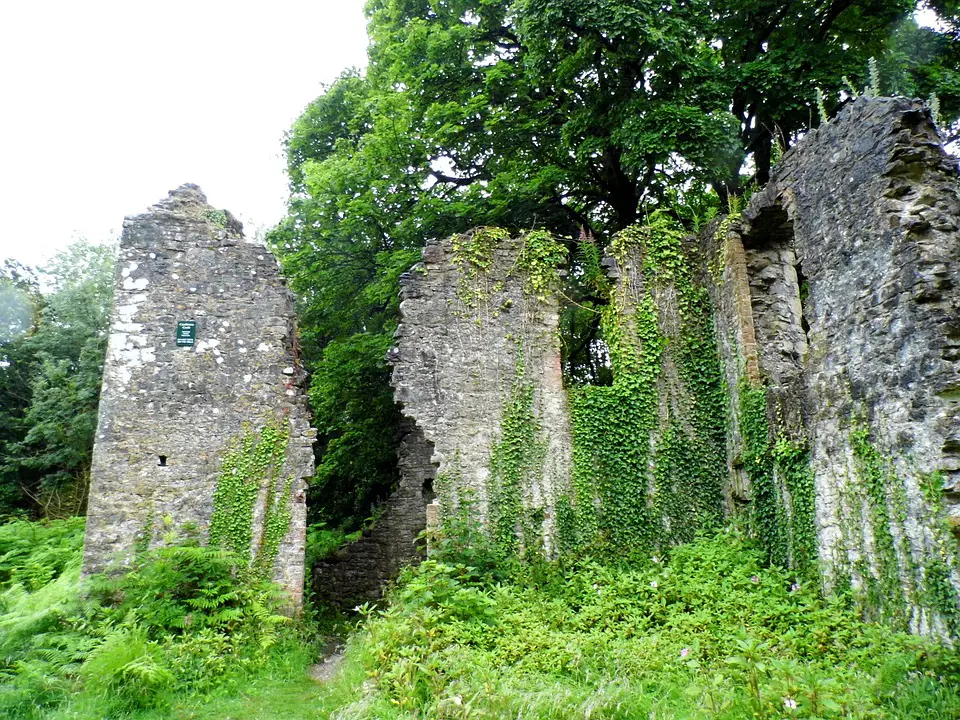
477	369
851	257
649	454
202	345
358	572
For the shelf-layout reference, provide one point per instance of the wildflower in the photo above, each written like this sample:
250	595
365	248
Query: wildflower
755	579
655	559
795	587
684	652
458	700
653	584
790	703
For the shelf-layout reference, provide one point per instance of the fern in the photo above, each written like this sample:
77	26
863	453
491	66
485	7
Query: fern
874	71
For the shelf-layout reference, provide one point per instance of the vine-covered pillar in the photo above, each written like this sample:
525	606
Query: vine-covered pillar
649	448
477	367
851	255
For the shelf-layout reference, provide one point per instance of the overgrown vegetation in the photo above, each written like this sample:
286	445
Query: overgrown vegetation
649	448
707	632
577	117
182	620
783	504
52	345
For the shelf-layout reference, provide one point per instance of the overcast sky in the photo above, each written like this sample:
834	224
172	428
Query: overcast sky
106	106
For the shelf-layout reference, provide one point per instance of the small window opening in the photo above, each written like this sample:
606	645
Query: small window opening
163	460
804	292
428	494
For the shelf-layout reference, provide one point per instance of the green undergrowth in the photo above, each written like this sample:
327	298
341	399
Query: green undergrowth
709	632
184	621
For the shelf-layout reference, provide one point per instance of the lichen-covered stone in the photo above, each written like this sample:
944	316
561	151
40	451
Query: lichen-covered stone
469	337
852	258
169	411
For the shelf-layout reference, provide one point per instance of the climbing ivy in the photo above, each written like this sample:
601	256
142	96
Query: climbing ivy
473	255
718	261
253	461
783	514
538	261
540	258
516	461
874	477
648	469
896	578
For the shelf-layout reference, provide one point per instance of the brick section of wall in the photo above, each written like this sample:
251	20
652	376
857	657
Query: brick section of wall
168	412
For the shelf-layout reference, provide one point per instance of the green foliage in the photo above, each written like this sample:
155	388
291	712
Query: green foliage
875	478
515	463
894	579
542	116
783	512
33	554
709	632
50	382
177	622
217	217
540	259
254	462
358	423
323	542
616	427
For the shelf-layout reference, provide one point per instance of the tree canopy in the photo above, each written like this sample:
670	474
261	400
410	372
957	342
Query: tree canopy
578	116
52	364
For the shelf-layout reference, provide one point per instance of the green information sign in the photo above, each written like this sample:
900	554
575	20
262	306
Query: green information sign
186	333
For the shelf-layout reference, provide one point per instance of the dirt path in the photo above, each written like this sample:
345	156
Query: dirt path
332	657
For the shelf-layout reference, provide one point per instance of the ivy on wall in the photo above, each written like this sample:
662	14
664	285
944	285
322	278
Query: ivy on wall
648	451
517	457
783	513
515	464
254	462
538	262
895	579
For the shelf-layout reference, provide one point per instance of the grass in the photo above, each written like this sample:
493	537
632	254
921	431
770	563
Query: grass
707	633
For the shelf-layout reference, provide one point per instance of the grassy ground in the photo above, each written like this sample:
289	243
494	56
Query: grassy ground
706	633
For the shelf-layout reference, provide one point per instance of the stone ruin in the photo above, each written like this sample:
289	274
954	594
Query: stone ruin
202	346
834	298
841	295
466	340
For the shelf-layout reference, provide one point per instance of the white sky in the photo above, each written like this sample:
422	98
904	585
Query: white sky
106	105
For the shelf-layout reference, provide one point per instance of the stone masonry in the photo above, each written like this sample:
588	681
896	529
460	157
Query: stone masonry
465	334
358	572
850	258
202	346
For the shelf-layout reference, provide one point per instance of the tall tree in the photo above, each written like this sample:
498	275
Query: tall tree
563	114
61	361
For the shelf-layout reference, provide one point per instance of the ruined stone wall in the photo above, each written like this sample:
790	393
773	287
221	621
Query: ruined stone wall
649	449
851	259
170	407
358	572
477	369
